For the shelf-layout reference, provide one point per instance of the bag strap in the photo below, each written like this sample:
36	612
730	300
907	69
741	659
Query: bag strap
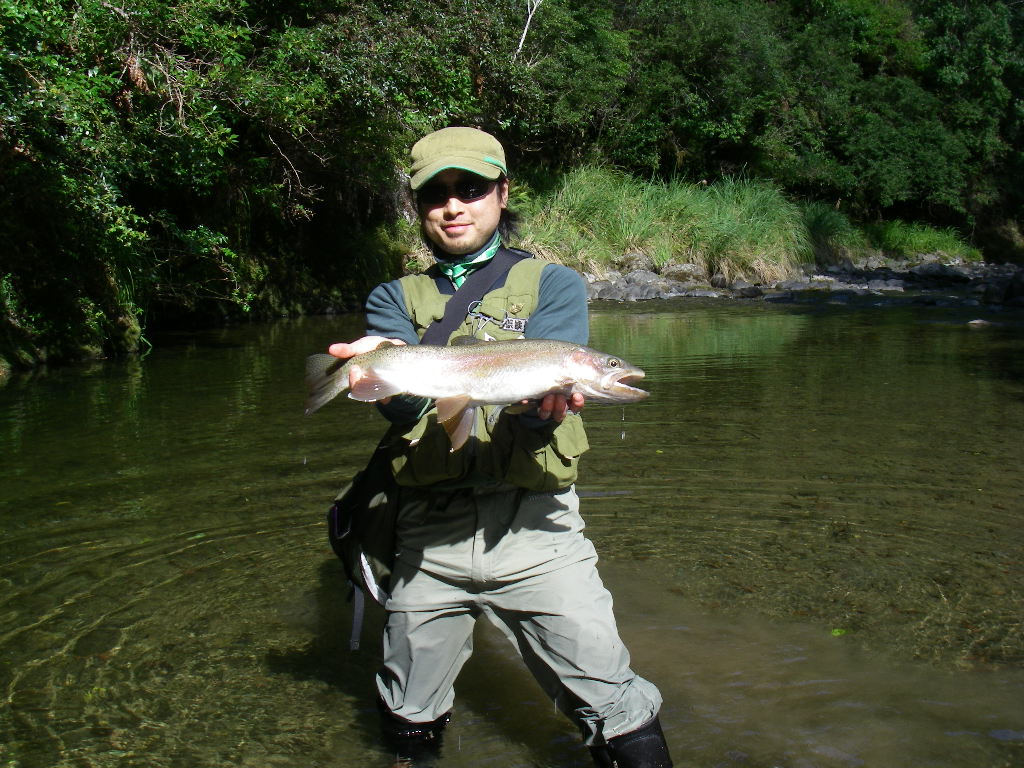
471	291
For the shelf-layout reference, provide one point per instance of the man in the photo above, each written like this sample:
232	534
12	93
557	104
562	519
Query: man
494	527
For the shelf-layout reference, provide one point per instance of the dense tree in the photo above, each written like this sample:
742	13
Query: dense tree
887	105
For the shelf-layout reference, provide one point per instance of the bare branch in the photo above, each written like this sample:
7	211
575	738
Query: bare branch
531	8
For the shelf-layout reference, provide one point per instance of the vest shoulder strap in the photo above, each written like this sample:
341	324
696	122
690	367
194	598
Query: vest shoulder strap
437	316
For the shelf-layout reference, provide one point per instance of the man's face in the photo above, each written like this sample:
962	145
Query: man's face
453	222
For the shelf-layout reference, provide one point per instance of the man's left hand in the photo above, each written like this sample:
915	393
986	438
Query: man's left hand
555	406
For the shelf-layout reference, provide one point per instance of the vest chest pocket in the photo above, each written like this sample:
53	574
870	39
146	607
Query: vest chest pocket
500	315
421	455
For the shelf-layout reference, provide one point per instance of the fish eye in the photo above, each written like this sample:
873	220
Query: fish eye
613	362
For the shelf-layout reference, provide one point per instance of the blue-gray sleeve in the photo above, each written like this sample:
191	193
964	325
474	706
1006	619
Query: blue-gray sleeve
386	315
561	311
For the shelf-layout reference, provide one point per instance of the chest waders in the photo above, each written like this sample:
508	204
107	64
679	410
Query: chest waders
543	464
361	522
500	314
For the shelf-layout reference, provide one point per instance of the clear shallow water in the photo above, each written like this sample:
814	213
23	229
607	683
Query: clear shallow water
812	529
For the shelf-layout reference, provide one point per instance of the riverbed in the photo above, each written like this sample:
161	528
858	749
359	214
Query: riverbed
812	530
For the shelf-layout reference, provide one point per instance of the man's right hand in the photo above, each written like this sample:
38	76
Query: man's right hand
346	349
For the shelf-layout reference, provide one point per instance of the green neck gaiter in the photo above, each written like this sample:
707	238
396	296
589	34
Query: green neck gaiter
458	271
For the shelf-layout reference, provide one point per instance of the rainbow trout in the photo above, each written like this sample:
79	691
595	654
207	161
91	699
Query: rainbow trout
471	373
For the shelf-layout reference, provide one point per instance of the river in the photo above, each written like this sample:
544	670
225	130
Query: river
812	530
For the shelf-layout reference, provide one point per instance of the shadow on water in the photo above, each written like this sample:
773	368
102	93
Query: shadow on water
327	656
1000	358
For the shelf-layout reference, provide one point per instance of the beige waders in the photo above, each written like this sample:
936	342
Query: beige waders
520	558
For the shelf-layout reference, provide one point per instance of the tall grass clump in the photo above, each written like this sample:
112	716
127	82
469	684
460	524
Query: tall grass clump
596	215
907	239
751	231
831	234
735	227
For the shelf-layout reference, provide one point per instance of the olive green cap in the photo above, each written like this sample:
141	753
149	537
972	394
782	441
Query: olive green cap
469	149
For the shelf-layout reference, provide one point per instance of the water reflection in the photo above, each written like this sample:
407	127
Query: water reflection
812	529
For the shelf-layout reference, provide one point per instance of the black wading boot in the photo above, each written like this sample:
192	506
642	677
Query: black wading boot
643	748
413	745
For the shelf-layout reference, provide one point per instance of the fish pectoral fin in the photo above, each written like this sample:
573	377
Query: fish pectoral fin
460	428
449	408
366	385
457	417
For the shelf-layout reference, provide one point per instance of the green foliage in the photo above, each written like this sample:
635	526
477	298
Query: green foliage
900	150
888	105
879	36
973	55
580	63
754	232
834	237
705	75
172	151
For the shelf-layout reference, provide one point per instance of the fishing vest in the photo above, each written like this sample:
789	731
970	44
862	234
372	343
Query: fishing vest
501	448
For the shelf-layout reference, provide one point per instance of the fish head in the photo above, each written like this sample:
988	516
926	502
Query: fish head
604	378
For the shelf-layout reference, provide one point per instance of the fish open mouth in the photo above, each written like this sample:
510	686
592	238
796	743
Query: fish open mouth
621	384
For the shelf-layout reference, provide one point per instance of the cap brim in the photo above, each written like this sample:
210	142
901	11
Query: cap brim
480	168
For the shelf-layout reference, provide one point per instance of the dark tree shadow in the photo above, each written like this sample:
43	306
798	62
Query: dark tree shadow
327	657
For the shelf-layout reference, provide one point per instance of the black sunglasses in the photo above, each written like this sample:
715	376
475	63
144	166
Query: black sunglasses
466	188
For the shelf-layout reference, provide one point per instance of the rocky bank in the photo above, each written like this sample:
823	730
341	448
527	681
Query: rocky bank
928	279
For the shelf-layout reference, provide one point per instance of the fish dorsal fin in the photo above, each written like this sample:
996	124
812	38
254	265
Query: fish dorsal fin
457	416
367	386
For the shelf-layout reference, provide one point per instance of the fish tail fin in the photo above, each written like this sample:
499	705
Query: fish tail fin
326	378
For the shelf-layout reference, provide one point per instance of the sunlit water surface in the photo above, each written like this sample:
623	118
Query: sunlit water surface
812	529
